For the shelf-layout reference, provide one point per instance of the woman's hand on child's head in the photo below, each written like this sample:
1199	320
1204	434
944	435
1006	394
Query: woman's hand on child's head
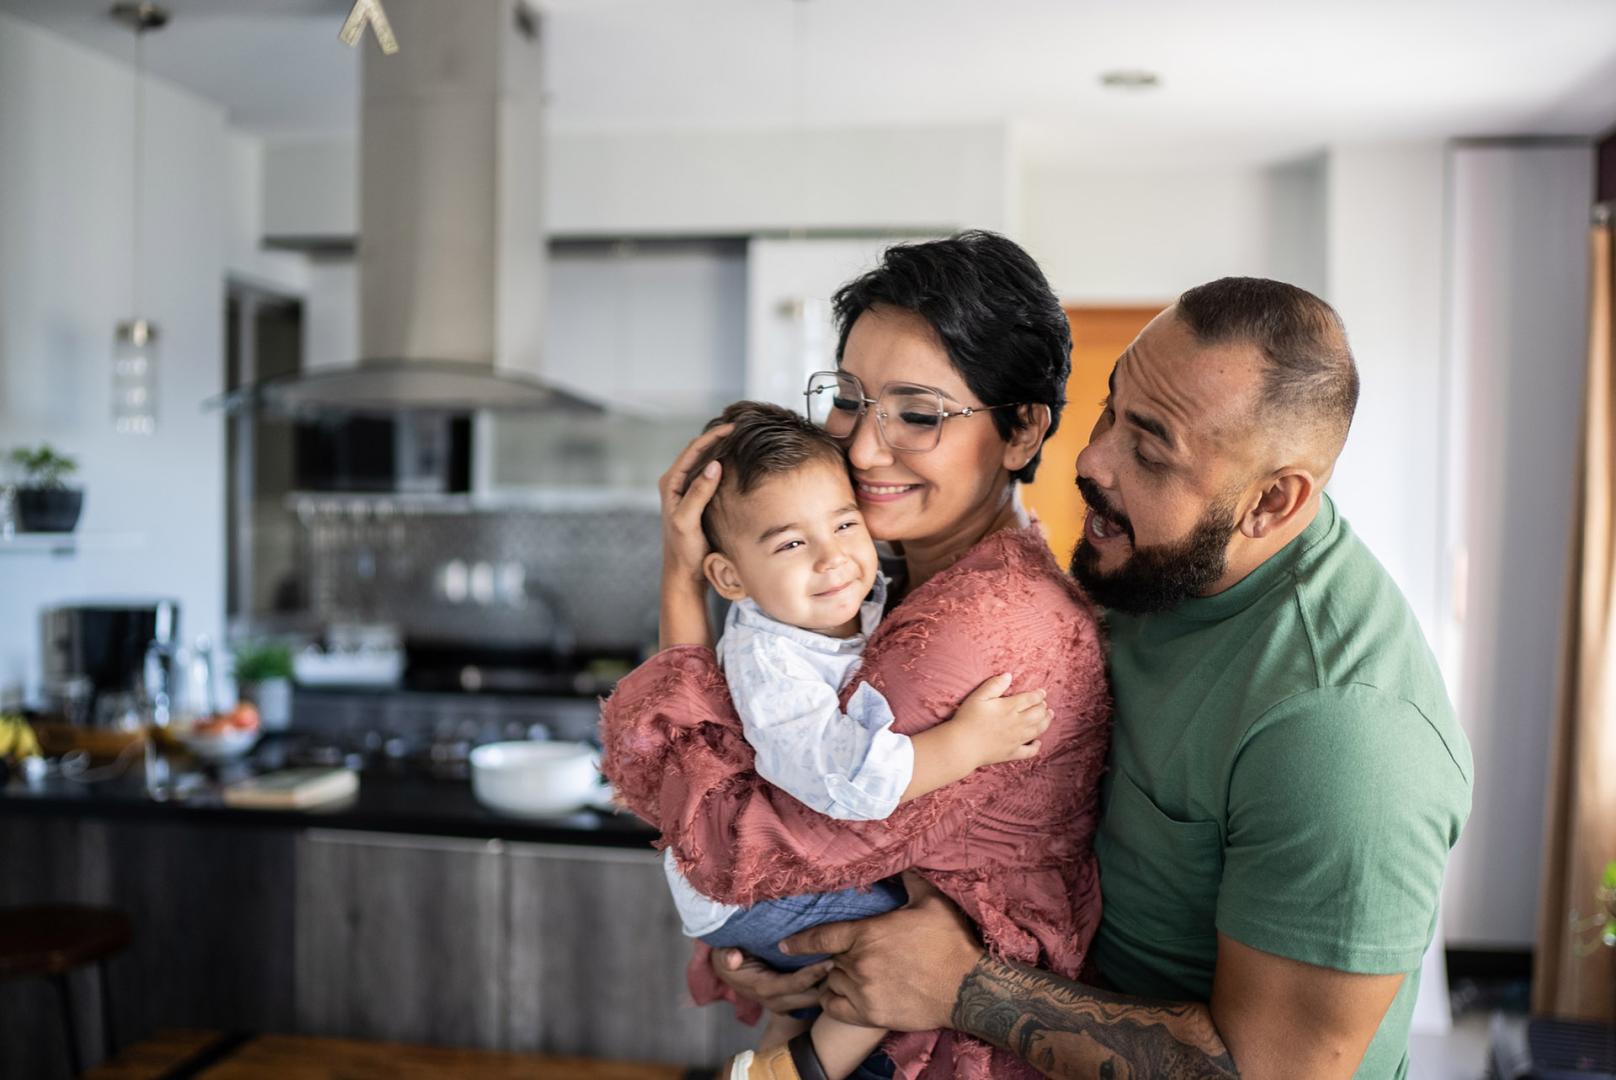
994	727
684	497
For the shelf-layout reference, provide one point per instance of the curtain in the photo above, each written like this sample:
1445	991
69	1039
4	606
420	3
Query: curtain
1572	979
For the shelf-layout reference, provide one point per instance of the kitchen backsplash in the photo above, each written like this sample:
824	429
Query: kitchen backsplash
454	571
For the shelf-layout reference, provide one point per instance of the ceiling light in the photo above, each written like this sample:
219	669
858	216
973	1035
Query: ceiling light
1130	79
134	349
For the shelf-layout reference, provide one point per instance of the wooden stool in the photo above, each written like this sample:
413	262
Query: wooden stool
50	940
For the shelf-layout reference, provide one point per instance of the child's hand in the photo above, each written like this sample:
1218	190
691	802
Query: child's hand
992	728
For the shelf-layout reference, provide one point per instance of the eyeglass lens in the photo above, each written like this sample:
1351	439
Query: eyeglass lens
910	416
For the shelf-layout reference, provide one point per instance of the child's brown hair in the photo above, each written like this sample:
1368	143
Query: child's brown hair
767	440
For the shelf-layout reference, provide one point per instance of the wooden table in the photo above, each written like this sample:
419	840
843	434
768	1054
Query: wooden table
213	1055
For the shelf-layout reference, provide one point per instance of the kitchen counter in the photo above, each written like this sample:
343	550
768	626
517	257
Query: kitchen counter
557	936
241	1055
387	801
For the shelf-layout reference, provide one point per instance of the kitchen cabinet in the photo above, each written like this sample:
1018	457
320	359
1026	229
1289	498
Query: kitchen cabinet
400	938
598	960
529	947
556	948
789	285
653	327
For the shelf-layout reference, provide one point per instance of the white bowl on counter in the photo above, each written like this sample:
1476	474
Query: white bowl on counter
535	779
218	747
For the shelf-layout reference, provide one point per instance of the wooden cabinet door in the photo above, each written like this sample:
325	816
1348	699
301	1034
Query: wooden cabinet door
597	961
401	937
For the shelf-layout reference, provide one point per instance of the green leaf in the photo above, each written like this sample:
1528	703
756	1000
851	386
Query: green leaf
1610	875
257	661
43	466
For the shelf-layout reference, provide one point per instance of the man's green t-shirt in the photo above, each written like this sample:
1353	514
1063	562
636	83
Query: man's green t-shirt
1286	769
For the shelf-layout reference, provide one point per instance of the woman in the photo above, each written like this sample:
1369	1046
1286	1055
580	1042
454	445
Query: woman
969	326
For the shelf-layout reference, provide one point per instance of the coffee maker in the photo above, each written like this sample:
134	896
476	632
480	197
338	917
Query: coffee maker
95	651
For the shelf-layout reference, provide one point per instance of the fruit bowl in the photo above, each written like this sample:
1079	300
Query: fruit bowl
219	744
222	738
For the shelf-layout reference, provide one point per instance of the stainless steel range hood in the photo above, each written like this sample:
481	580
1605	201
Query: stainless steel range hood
451	238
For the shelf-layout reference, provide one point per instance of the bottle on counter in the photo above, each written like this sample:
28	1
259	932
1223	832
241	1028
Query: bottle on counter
192	698
157	684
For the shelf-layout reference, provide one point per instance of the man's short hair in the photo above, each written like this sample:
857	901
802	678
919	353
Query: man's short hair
1309	375
767	441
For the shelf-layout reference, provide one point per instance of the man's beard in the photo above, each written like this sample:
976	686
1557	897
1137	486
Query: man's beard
1160	577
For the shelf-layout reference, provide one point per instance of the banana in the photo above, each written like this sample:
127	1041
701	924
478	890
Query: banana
17	739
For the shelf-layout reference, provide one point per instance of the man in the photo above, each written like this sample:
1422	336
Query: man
1287	776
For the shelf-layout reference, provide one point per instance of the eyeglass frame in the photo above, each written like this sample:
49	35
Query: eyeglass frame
880	418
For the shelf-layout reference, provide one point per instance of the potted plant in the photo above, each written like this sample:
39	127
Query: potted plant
44	503
264	677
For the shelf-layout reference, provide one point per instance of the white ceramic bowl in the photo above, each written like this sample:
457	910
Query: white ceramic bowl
535	779
226	744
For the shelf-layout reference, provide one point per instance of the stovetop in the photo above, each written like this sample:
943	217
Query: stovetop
458	668
421	733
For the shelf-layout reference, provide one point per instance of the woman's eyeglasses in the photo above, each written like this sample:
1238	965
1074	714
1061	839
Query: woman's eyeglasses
910	416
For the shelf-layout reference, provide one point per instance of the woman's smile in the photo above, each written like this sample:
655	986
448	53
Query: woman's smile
871	492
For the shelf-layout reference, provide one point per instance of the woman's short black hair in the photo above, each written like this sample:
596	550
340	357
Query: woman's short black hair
998	319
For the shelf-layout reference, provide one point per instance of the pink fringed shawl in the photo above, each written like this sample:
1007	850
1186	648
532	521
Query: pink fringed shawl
1011	844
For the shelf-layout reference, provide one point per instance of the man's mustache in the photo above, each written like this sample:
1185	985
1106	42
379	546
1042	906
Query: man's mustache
1096	501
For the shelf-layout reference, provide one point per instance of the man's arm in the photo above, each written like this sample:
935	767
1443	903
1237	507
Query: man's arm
1066	1029
921	967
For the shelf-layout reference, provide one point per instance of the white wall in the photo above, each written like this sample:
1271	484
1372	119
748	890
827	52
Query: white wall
705	183
65	237
1143	238
1517	340
1385	269
245	257
311	188
1298	222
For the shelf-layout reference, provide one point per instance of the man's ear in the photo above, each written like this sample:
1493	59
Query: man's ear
1284	495
1025	441
722	577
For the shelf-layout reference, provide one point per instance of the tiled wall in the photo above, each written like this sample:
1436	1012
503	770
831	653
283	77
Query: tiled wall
510	576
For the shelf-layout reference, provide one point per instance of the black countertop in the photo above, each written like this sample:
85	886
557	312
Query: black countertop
387	801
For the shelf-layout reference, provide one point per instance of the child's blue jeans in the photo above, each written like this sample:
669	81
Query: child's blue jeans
760	928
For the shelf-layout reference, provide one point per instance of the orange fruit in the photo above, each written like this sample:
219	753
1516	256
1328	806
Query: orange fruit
245	716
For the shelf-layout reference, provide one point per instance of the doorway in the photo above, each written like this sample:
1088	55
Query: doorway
263	340
1099	336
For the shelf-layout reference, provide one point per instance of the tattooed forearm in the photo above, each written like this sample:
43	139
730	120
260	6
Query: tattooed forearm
1066	1029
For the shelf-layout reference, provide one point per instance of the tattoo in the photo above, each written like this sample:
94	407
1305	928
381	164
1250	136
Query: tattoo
1066	1029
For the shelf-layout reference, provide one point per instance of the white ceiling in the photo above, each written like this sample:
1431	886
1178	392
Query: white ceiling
1241	79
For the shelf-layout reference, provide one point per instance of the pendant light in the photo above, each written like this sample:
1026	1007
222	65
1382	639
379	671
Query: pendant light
134	349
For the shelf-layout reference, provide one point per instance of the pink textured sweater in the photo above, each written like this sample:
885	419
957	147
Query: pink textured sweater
1011	843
